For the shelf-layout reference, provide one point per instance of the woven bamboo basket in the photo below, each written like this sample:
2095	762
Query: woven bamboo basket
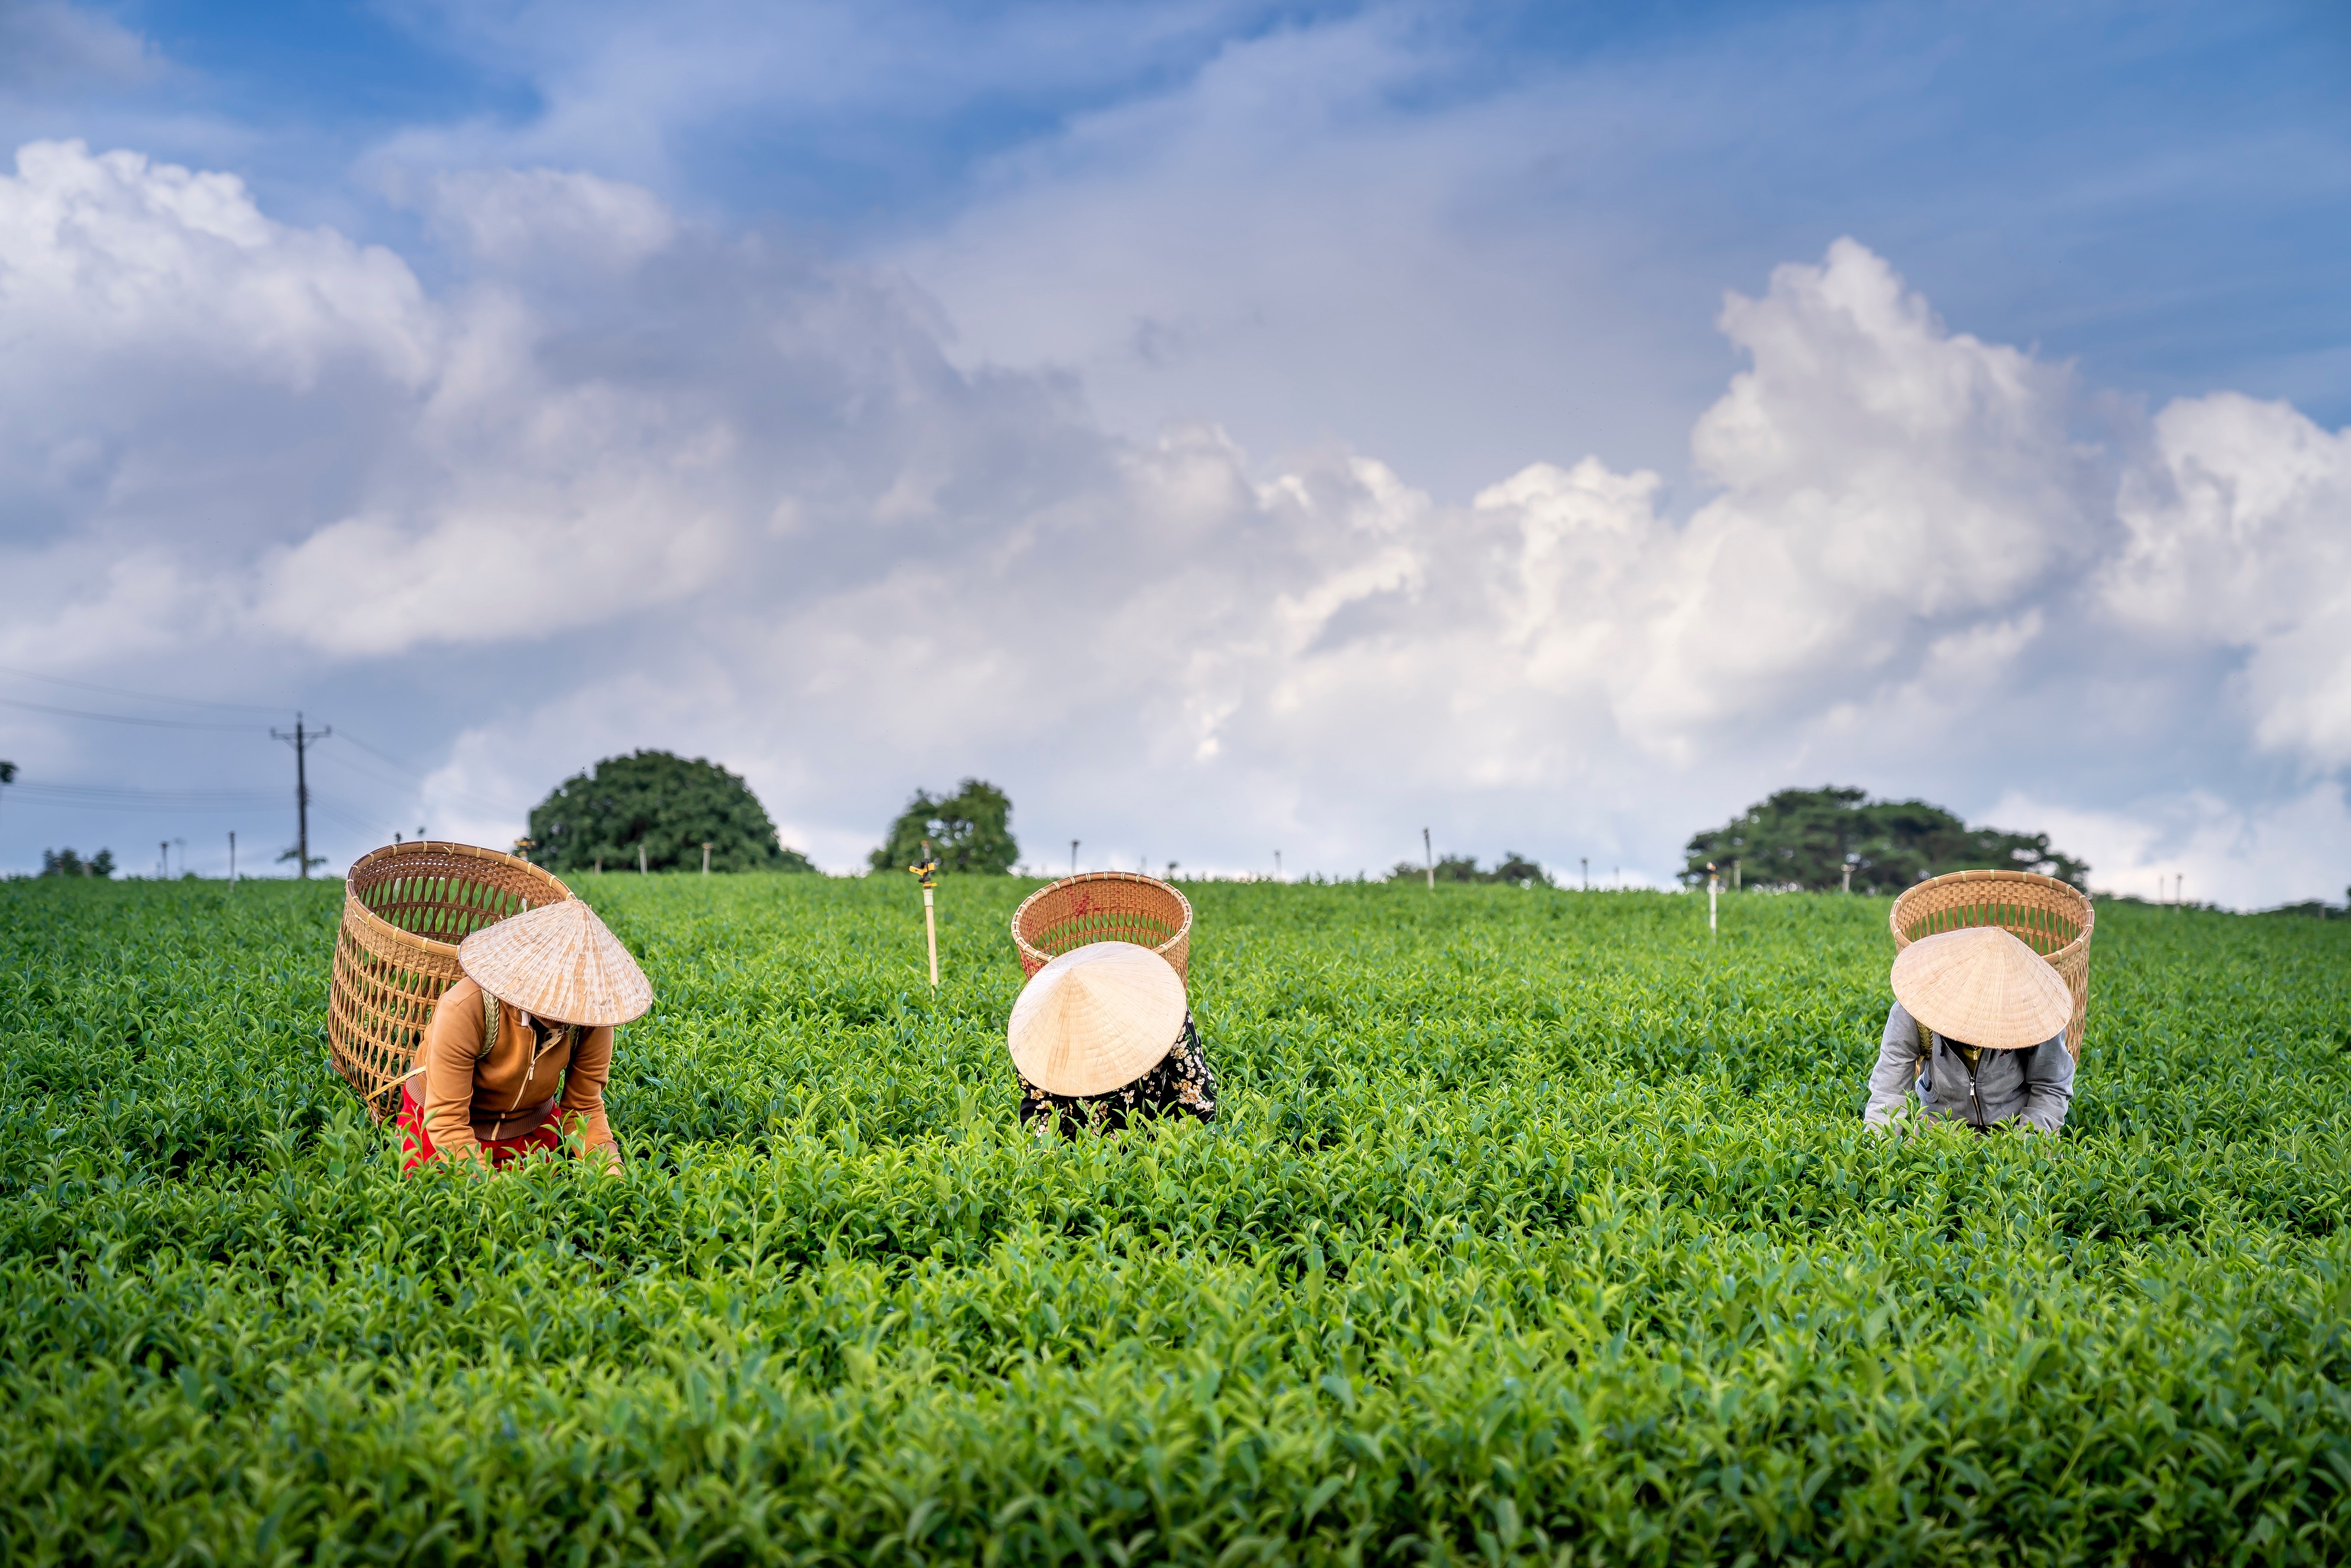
405	909
1104	907
2053	918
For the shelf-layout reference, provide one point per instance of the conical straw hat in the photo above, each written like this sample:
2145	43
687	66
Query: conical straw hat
1096	1019
1983	987
559	963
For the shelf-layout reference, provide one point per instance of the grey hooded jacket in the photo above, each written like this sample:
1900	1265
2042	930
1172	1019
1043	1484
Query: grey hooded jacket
2030	1086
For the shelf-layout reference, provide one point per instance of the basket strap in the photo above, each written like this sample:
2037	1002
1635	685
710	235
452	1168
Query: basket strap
489	1025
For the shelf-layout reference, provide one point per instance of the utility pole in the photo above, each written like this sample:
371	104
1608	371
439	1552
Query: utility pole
1431	855
232	857
1587	874
1713	887
1277	865
183	846
301	740
164	861
1074	857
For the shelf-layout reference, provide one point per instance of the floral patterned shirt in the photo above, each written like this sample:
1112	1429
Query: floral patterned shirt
1181	1083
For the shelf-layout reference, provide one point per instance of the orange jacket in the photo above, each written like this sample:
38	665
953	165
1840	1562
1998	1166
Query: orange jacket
472	1096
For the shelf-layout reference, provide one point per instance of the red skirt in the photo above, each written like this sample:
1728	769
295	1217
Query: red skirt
416	1144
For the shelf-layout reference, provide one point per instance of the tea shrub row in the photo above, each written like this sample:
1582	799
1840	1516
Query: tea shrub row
1539	1227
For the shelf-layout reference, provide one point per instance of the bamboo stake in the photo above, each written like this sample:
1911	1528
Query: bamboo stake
927	871
1713	887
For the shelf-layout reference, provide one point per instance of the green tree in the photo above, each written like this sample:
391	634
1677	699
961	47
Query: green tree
1513	867
1805	838
665	805
969	831
65	862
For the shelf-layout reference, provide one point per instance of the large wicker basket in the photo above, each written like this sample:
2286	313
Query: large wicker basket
1104	907
2053	918
405	909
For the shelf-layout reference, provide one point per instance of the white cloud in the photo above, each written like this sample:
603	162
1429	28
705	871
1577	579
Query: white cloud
709	495
2239	536
2196	846
113	256
543	218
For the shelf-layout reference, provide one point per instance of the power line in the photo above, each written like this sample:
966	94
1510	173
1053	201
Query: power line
419	775
125	719
362	768
140	697
349	822
131	798
382	755
108	796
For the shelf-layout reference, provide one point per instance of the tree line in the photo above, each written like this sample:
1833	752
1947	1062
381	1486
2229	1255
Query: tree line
656	811
1832	839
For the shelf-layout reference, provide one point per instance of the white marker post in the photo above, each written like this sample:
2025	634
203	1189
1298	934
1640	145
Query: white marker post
231	860
1713	887
927	871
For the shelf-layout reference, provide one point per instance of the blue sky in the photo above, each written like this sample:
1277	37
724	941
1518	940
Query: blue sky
2156	191
1023	267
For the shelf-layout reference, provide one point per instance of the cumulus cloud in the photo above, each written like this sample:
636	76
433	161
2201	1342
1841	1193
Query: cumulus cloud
550	218
2239	536
2196	846
703	492
108	257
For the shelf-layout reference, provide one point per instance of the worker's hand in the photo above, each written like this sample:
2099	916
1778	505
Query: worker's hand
1898	1122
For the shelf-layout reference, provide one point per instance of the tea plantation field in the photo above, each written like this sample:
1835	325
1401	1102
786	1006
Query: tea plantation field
1538	1228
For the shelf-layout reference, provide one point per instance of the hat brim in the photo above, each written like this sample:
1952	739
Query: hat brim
1982	987
557	962
1096	1019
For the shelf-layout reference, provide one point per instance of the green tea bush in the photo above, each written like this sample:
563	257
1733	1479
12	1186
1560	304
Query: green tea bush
1537	1227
